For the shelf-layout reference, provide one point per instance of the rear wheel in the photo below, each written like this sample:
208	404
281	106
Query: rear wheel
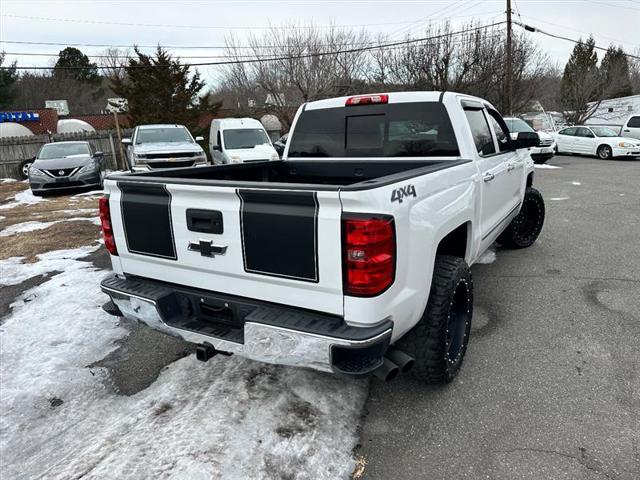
605	152
439	340
525	228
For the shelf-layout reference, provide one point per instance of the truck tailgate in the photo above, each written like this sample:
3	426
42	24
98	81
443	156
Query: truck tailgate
280	246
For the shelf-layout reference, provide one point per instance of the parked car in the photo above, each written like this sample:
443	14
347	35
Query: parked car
63	165
280	144
237	140
541	153
155	147
601	141
351	255
631	127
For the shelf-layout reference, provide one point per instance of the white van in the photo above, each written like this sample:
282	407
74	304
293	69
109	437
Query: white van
631	128
237	140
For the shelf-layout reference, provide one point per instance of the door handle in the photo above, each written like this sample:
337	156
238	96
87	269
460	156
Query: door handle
488	177
626	130
510	166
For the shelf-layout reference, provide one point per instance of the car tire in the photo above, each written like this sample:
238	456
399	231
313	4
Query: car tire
605	152
540	160
438	341
23	169
525	228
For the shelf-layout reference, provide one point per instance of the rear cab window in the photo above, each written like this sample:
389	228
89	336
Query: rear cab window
421	129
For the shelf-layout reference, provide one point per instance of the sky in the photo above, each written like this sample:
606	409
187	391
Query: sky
209	23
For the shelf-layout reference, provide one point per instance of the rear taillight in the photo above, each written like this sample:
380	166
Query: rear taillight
367	100
368	254
107	228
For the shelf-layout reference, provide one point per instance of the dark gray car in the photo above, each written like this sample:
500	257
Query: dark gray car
63	165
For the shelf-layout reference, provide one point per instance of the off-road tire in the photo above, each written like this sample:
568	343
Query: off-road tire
605	152
429	341
525	228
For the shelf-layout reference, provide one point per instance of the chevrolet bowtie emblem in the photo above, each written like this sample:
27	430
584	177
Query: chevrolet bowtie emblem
207	248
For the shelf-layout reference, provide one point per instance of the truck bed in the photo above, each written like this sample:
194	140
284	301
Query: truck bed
305	174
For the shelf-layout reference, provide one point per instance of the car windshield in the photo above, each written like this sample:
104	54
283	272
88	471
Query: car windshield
235	139
516	125
62	150
603	132
163	135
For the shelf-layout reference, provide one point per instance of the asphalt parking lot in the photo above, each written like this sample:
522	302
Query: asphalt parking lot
550	388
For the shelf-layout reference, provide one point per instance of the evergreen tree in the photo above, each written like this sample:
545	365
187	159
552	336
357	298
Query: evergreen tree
615	73
581	83
75	64
8	77
160	90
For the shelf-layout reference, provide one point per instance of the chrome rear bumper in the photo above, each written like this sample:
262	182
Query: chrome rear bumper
357	354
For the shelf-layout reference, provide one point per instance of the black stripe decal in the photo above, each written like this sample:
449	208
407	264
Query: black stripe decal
146	218
280	233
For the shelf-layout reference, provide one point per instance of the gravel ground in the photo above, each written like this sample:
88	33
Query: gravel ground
551	382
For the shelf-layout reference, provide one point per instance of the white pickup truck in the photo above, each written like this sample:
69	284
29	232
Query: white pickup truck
351	255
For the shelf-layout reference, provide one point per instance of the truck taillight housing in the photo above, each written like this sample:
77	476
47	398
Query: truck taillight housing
367	100
107	228
368	254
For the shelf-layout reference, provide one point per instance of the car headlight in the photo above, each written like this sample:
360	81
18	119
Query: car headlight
140	159
627	145
37	172
92	167
202	157
235	159
274	156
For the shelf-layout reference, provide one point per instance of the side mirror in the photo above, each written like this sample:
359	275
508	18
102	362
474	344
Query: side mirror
199	138
526	140
126	141
217	148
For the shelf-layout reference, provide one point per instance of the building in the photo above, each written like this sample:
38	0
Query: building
615	111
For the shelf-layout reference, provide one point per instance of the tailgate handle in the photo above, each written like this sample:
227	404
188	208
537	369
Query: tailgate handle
204	221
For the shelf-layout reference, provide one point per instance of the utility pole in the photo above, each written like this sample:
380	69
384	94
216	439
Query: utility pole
509	62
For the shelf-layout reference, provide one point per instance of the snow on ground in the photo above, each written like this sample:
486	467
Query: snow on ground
228	418
8	180
15	271
489	256
34	225
92	193
544	165
558	199
576	183
24	197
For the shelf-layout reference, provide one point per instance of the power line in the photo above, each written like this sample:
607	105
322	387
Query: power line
302	56
530	28
205	27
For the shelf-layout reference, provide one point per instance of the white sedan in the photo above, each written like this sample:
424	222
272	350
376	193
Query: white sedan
601	141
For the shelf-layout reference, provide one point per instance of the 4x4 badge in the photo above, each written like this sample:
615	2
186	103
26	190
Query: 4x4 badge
399	193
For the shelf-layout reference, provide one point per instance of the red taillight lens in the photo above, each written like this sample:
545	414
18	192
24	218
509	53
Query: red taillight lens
368	254
367	100
107	229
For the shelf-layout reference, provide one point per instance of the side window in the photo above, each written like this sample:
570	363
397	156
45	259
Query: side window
585	133
480	130
502	132
570	132
634	122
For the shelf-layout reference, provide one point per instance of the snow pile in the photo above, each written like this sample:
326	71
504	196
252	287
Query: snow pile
489	256
15	271
559	199
92	193
8	180
576	183
24	197
33	225
544	165
228	418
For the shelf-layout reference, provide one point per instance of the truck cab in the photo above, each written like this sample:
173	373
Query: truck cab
238	140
